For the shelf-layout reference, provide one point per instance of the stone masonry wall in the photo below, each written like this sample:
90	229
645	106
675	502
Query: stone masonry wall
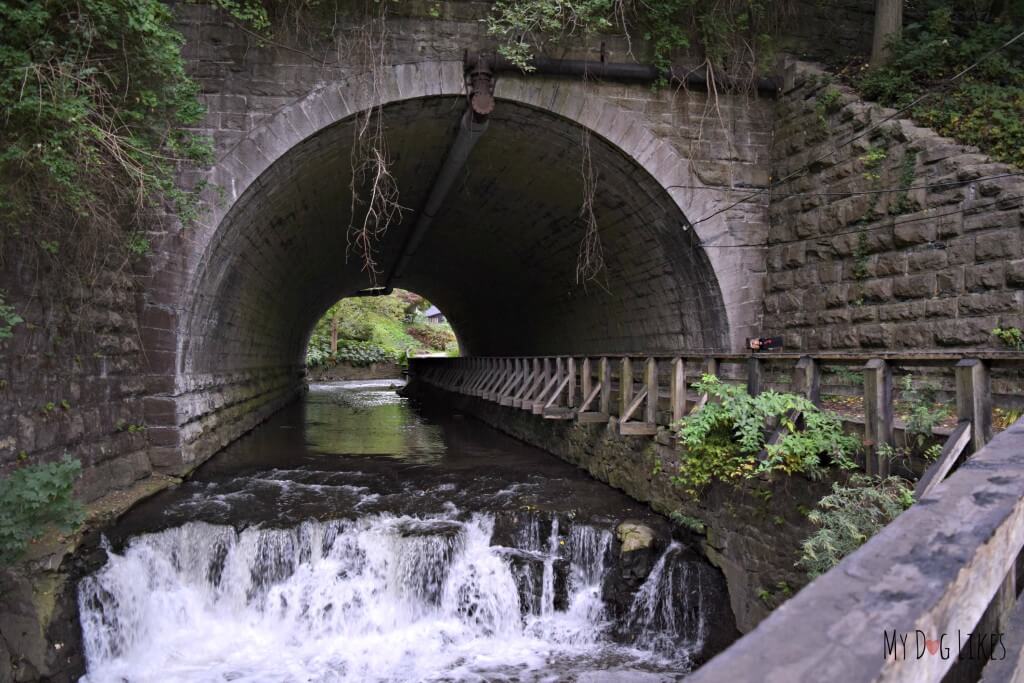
71	375
924	269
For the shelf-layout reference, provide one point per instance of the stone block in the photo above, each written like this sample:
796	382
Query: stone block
986	276
873	336
926	260
1015	273
1000	244
964	331
875	291
893	263
910	234
990	303
914	286
949	282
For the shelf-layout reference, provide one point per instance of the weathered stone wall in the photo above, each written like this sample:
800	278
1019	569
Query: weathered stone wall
753	530
238	292
928	268
71	375
345	372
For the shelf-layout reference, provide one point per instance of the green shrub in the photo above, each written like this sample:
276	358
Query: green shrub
436	337
984	108
362	354
724	438
1010	336
849	516
95	104
33	498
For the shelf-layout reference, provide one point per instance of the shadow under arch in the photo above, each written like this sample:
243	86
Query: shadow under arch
500	258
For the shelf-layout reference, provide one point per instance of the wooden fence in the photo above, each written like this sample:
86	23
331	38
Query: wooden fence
637	394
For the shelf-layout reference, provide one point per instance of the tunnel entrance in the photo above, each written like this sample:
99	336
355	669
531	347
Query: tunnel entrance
365	331
500	258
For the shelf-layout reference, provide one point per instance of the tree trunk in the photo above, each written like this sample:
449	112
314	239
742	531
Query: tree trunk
334	334
888	26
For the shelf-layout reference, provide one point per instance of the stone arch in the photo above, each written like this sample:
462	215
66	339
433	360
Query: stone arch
258	370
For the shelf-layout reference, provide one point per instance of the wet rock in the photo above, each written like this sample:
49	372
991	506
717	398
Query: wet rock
638	549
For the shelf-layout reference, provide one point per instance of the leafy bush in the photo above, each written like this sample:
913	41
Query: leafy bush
724	438
95	103
362	354
985	107
924	415
1010	336
33	498
436	337
849	516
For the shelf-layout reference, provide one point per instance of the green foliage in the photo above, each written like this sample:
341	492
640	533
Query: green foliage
827	102
1010	336
924	416
723	439
872	160
902	203
431	335
727	31
9	317
95	101
376	329
687	522
985	107
849	516
33	498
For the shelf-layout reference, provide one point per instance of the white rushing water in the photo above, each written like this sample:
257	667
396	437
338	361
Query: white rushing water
381	598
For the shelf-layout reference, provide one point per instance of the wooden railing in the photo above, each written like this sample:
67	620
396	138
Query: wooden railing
949	567
636	394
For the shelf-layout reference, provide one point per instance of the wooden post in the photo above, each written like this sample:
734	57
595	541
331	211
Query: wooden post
586	382
570	368
974	400
651	379
807	379
625	385
678	389
604	373
754	376
878	415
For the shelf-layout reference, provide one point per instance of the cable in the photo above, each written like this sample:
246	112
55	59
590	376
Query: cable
871	229
852	193
867	130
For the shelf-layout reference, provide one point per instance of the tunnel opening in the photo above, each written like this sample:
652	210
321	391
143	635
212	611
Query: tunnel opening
379	328
501	256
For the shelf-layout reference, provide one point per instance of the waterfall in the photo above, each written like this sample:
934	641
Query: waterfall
656	618
379	598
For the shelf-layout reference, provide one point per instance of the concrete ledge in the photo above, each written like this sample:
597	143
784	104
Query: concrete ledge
935	569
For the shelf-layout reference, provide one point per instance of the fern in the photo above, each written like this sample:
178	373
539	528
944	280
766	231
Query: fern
849	516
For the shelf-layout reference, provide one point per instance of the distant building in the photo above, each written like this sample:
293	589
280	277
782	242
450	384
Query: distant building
434	315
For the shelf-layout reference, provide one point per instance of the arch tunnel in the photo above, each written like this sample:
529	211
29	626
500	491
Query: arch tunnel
500	257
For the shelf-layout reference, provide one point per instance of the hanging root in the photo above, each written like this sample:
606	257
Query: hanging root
590	259
372	186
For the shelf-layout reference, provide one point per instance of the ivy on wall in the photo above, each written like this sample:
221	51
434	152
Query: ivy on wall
94	104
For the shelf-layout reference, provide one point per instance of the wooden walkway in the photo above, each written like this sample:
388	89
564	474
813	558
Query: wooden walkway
637	394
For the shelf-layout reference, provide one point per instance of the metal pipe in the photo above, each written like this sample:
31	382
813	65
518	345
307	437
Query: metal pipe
618	71
470	130
373	291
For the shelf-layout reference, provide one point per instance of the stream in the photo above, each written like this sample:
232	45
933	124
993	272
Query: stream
357	536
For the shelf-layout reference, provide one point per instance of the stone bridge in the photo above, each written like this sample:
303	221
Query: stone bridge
692	260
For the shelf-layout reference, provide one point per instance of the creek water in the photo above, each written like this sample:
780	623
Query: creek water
357	536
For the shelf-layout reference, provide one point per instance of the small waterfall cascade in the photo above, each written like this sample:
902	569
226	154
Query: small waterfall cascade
668	612
378	598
